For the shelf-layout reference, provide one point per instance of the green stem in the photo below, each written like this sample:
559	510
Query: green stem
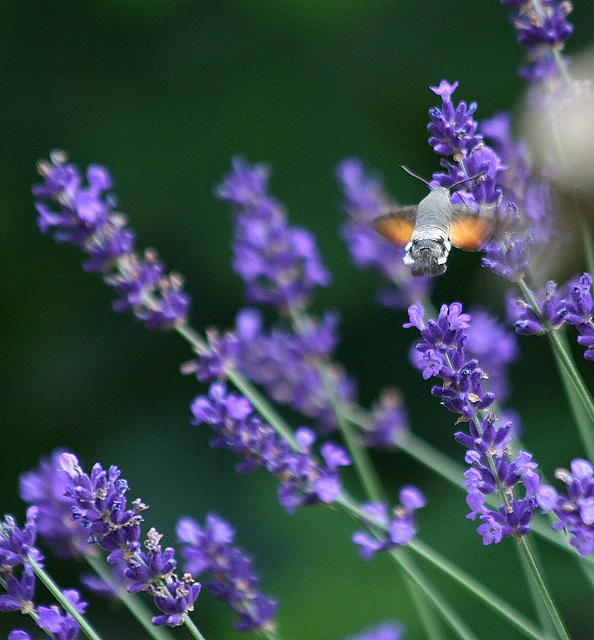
132	602
53	588
500	606
361	459
192	628
544	592
428	590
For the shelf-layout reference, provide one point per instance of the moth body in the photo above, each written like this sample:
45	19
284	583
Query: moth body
429	230
429	246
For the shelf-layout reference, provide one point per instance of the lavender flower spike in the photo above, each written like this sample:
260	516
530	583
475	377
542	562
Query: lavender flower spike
85	215
210	549
100	506
304	479
279	263
541	29
576	509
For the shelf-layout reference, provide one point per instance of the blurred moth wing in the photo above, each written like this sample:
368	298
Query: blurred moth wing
397	225
469	229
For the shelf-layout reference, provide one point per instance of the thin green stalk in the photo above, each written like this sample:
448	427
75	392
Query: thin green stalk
429	591
360	455
53	588
426	615
544	592
131	601
192	628
492	600
469	583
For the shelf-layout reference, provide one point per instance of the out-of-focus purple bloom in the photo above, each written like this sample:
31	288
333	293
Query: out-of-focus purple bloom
210	548
385	532
19	591
18	545
541	29
85	215
494	347
304	480
286	364
389	422
576	509
279	264
512	260
364	201
385	631
45	487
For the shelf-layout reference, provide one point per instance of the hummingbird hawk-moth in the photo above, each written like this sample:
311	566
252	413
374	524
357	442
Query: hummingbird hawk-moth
430	229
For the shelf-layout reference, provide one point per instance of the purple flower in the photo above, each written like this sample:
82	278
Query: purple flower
487	442
364	201
454	133
452	128
233	581
86	216
576	509
175	598
145	569
304	480
385	631
279	264
389	422
45	487
540	30
286	364
384	532
494	347
100	506
18	545
442	354
19	591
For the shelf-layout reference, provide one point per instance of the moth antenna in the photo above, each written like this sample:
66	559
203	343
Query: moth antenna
414	175
478	175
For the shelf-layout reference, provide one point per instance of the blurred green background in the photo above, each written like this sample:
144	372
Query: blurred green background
164	93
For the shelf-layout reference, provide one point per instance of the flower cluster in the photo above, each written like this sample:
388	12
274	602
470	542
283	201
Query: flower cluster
279	264
45	487
384	533
443	355
364	201
576	510
211	549
85	215
99	504
454	133
304	480
541	29
17	550
285	363
571	304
